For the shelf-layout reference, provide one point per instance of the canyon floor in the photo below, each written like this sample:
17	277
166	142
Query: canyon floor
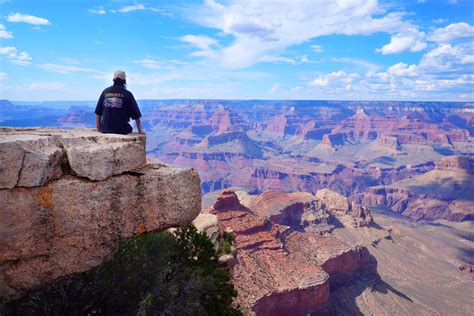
420	266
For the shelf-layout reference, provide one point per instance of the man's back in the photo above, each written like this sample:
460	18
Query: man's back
116	106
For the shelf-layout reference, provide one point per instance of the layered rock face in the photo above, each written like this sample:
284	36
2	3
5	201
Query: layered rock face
273	273
68	197
308	146
443	193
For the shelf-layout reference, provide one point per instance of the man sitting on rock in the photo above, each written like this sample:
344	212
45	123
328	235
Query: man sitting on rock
116	106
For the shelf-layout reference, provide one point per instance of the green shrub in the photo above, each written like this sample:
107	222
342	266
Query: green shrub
151	274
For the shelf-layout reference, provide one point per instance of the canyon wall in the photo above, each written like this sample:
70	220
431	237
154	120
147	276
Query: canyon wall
287	263
67	197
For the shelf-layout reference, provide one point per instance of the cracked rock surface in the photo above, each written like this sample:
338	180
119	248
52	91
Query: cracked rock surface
68	197
32	157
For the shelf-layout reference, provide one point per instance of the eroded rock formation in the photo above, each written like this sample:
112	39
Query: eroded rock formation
68	197
442	193
273	273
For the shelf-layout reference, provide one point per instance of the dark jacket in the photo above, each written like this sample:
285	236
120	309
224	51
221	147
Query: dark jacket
116	106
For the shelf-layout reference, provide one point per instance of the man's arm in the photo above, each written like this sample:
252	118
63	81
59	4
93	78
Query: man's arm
139	126
97	122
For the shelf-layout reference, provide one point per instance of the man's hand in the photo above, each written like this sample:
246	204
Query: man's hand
139	126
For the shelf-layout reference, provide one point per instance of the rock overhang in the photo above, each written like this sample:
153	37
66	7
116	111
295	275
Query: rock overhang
67	197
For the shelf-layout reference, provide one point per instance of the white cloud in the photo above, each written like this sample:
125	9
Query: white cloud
19	58
205	45
448	59
296	89
4	34
3	75
131	8
66	69
335	79
452	32
26	18
317	48
410	40
403	70
261	30
97	11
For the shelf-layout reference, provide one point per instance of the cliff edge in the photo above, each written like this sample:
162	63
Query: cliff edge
67	197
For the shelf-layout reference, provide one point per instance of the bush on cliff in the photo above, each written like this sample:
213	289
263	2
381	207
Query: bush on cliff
151	274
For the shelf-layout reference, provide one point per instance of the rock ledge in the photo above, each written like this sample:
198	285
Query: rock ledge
68	197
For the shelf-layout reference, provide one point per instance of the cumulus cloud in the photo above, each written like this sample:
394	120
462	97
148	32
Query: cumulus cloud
131	8
14	56
26	18
445	71
452	32
447	58
4	34
403	70
260	29
335	79
410	40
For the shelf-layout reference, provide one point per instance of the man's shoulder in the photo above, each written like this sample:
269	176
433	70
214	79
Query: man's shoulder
127	93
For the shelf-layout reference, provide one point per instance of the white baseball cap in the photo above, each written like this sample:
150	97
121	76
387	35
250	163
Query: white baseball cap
120	74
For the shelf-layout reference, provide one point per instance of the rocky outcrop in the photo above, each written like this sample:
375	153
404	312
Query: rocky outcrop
418	206
389	141
298	210
442	193
208	224
456	163
340	206
32	157
273	273
74	195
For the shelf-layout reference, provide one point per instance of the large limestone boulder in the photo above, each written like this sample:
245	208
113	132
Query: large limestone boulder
55	220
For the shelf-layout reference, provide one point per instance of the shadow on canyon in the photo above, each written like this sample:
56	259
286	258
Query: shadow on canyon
344	298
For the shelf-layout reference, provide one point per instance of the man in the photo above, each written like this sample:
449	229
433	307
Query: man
116	106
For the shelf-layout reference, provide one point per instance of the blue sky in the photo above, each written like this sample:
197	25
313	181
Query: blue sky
239	49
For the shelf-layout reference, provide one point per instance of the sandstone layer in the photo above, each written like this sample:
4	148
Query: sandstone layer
69	197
